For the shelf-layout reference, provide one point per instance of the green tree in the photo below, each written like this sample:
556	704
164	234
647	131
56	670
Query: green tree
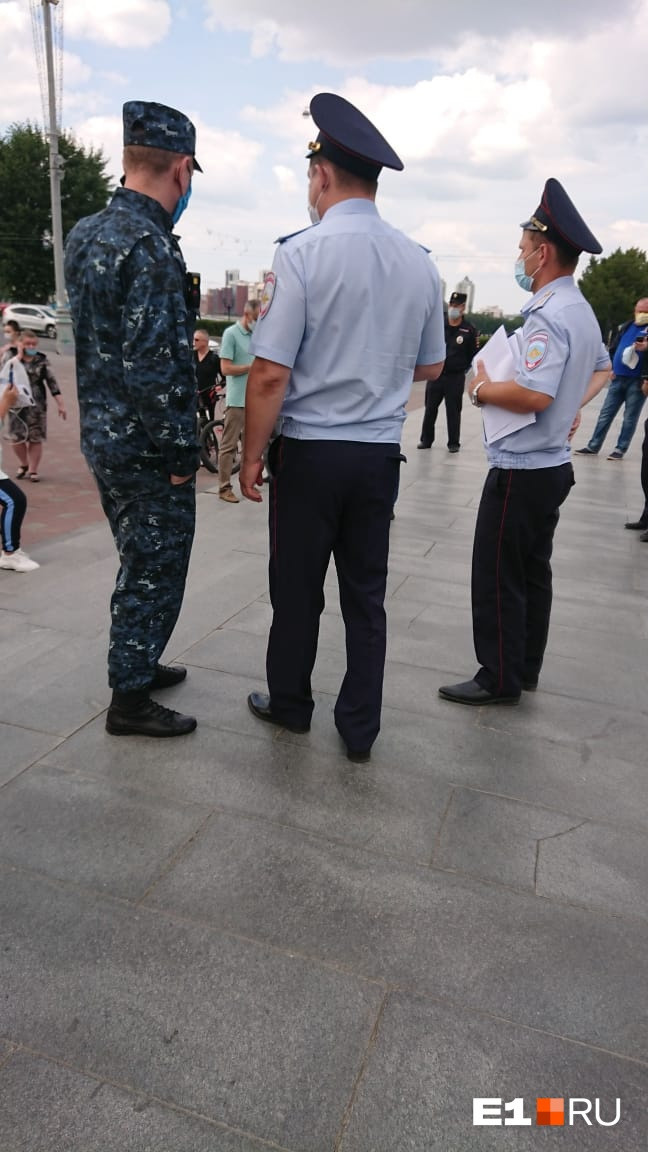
613	285
26	256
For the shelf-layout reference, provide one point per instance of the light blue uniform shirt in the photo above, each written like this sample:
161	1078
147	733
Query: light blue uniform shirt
235	346
559	348
354	306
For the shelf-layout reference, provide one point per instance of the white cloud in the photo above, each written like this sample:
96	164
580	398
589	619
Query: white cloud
286	178
339	32
123	23
20	89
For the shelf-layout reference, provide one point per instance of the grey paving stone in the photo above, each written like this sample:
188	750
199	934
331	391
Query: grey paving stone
495	838
530	960
264	1042
395	809
44	666
596	865
20	748
430	1061
49	1108
550	716
462	747
112	838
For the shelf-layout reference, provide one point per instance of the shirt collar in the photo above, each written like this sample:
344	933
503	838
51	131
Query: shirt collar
146	204
352	207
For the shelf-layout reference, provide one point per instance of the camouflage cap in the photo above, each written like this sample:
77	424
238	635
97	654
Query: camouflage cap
156	126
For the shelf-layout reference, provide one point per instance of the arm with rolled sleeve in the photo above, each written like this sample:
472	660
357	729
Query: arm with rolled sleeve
158	370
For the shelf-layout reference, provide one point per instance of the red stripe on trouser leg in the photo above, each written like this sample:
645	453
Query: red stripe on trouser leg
500	644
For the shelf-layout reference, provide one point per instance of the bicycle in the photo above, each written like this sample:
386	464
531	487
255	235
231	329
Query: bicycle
210	432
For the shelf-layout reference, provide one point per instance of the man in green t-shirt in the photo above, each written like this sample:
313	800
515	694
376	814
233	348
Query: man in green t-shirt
235	364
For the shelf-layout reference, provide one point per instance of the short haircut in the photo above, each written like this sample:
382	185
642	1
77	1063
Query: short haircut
14	325
202	332
157	161
566	255
346	179
26	333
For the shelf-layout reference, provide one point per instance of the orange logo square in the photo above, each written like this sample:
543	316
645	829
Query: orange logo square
550	1110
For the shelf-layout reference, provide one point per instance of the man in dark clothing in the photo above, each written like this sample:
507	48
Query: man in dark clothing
461	348
642	522
127	285
628	353
207	366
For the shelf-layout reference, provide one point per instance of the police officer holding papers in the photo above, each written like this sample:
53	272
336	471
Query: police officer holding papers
562	364
351	314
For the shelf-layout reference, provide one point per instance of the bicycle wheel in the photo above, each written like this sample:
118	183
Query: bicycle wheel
210	438
236	465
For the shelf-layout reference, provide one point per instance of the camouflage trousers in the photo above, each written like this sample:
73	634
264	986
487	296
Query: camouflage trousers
153	530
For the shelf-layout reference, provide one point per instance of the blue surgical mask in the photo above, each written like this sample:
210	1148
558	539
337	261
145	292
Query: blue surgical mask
525	282
454	313
30	351
181	205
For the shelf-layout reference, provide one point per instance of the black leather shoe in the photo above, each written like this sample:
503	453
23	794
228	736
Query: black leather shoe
639	525
586	451
644	537
470	692
359	756
422	445
147	719
259	705
453	447
167	675
529	685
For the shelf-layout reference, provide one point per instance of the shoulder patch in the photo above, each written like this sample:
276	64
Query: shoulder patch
536	350
269	286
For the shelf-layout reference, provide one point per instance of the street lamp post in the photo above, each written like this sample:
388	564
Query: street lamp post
63	321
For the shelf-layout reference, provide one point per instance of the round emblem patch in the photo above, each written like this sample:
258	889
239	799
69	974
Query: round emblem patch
269	286
536	350
459	340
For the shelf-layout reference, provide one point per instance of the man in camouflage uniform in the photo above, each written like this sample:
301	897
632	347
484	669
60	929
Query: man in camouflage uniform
137	401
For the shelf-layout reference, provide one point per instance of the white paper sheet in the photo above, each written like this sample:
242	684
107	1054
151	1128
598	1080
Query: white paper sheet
500	356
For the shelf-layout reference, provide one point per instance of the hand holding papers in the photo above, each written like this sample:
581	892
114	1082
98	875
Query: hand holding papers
499	357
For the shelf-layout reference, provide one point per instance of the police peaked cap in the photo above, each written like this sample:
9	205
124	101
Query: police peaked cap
155	126
348	139
558	219
458	297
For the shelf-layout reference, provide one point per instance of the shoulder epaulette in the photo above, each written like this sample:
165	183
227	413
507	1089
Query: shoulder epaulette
541	302
282	239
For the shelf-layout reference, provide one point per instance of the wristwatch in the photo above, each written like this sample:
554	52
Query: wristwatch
474	398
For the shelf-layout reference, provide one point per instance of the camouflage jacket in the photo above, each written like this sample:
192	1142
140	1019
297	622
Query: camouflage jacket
125	278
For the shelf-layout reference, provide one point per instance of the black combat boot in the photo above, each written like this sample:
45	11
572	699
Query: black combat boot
135	714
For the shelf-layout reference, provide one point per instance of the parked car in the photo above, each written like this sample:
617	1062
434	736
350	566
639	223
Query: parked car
34	316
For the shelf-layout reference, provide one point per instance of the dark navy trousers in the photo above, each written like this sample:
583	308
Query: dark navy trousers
152	522
511	573
450	388
329	498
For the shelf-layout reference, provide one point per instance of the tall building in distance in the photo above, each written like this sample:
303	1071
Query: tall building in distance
232	277
466	285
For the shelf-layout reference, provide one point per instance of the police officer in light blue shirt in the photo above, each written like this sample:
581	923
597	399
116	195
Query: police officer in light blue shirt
562	364
351	314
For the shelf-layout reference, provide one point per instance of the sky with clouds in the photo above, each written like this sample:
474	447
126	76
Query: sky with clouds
483	100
